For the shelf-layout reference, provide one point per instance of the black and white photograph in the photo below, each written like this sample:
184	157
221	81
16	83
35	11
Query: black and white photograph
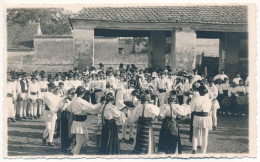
129	81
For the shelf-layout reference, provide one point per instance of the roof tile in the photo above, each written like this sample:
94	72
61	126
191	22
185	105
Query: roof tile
167	14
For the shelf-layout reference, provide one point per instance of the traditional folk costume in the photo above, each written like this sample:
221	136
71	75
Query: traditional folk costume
144	114
33	95
169	139
180	92
67	139
223	94
43	88
9	100
22	91
220	76
111	117
202	121
162	87
52	104
240	90
215	104
79	107
236	80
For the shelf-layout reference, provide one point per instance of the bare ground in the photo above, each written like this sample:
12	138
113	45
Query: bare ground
25	137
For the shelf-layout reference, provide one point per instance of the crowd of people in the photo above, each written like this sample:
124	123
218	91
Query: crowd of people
127	96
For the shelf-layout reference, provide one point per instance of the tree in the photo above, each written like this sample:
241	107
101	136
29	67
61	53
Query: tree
54	21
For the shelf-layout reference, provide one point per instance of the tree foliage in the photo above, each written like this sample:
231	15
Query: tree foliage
53	21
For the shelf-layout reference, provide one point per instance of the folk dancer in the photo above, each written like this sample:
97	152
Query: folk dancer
111	117
144	114
52	103
80	108
169	138
201	104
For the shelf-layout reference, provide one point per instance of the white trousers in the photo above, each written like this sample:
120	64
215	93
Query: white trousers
49	130
214	117
81	139
200	133
162	98
23	108
33	108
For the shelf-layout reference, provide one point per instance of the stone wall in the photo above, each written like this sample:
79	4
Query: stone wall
55	53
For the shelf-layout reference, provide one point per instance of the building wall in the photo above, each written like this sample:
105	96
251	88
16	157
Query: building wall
54	53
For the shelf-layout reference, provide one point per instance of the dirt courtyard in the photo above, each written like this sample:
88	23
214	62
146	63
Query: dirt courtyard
25	137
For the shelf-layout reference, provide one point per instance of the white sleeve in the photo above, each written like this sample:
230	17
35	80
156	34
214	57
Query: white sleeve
92	109
134	115
163	111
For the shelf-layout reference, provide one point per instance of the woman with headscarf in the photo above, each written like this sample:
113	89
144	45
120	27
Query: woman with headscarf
144	114
80	108
111	117
169	139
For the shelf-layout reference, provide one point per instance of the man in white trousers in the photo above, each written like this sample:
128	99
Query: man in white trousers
52	103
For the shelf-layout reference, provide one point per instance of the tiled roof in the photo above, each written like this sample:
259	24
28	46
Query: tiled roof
166	14
20	36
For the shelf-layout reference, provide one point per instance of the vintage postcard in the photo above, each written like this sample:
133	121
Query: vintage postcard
129	81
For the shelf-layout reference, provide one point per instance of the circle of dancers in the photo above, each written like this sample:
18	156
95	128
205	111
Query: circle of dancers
128	97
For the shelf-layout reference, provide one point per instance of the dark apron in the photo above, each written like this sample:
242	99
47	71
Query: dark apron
110	144
67	139
144	127
169	138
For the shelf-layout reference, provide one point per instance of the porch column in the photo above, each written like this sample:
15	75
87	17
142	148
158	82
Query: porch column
222	49
149	55
158	57
232	44
183	53
83	46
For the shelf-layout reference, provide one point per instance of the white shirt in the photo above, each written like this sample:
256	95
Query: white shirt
196	78
111	112
200	104
231	90
150	111
214	91
128	94
220	76
111	80
68	84
236	80
79	106
57	82
11	88
240	89
54	102
177	109
43	84
224	86
119	103
34	87
163	84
